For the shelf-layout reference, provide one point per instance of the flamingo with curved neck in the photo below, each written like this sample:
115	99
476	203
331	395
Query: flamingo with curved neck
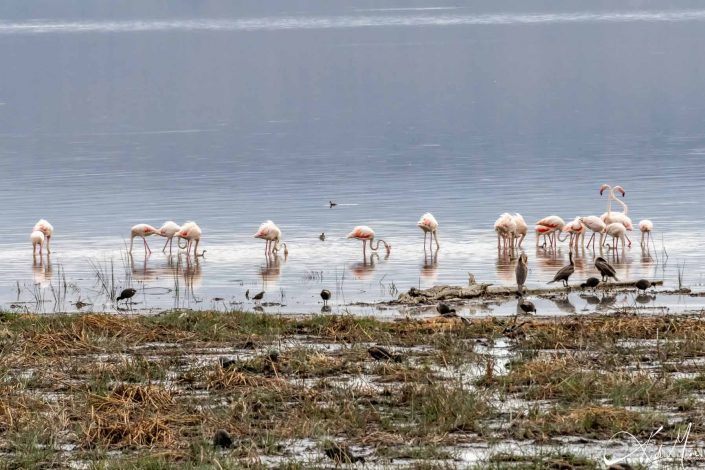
365	233
617	217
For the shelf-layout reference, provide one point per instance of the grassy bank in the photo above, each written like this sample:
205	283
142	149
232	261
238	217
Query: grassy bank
107	391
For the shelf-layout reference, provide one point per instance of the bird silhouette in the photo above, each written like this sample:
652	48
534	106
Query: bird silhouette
606	269
565	272
322	237
643	284
379	353
258	296
445	310
325	295
590	282
521	272
332	204
126	294
527	306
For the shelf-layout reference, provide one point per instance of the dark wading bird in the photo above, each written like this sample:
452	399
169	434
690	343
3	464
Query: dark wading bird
247	294
606	269
340	454
527	306
379	353
521	271
642	284
565	272
258	296
126	294
325	295
322	237
591	282
445	310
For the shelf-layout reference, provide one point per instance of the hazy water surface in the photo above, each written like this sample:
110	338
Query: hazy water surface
231	114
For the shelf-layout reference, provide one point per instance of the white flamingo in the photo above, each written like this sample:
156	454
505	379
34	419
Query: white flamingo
576	230
270	232
616	231
365	233
169	230
506	230
47	230
596	225
610	217
645	227
521	228
143	231
37	238
428	224
191	232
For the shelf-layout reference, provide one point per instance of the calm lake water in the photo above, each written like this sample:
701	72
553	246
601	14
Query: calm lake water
230	114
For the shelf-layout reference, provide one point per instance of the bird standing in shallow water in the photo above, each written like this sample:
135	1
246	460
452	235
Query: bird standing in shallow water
325	295
606	269
527	306
428	224
565	272
322	237
643	284
591	282
521	272
142	231
258	296
47	229
365	233
126	294
445	310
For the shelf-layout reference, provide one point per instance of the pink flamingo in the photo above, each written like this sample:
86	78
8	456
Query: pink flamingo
168	230
365	233
47	230
645	227
548	226
595	224
576	230
37	238
270	232
191	232
428	224
506	230
142	230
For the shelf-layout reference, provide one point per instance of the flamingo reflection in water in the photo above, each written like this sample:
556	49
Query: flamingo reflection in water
363	270
41	271
429	268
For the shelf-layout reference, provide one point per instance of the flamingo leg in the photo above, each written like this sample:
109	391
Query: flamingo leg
424	240
167	242
132	240
630	242
435	235
591	239
48	240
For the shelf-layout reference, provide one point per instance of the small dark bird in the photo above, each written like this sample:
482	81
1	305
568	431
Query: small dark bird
379	353
247	294
642	284
445	310
565	272
126	294
340	453
222	438
590	282
325	295
226	363
527	306
605	269
521	272
332	204
322	237
258	296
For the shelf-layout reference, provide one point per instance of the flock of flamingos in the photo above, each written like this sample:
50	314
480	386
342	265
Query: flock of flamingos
510	229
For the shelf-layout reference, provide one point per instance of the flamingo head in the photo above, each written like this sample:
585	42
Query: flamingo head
620	190
603	188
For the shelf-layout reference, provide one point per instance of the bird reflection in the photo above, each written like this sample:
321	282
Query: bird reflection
645	298
365	269
41	271
590	299
325	309
564	304
429	269
271	270
505	266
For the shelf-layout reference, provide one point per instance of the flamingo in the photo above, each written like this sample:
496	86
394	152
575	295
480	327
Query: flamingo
365	233
428	224
37	238
270	232
616	231
549	225
595	224
610	217
47	230
190	231
168	230
645	227
506	229
521	228
576	230
142	230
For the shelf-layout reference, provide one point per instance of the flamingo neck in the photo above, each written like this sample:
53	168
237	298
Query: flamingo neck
624	205
374	248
